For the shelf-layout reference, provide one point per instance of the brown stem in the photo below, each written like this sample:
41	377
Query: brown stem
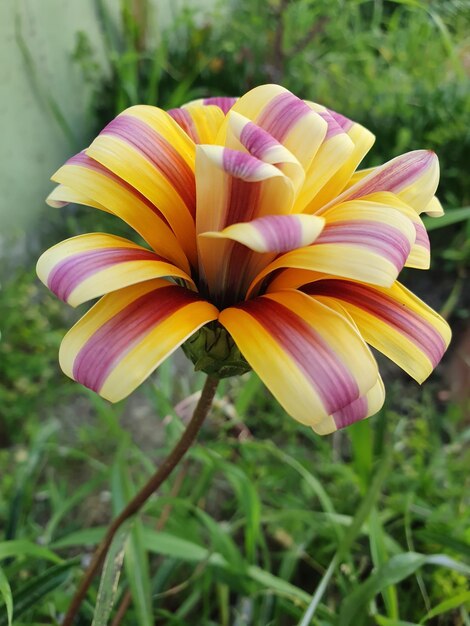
165	514
162	473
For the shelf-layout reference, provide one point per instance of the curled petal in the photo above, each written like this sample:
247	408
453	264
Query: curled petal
200	122
145	147
434	208
88	266
286	118
365	406
363	241
128	333
242	134
93	184
273	233
310	357
393	321
347	159
413	177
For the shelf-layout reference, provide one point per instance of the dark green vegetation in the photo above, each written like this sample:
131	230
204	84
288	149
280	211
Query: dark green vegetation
264	523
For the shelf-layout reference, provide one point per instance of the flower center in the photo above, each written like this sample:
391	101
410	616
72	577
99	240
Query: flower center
213	351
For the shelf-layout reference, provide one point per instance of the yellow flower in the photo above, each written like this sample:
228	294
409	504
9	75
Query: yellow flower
267	249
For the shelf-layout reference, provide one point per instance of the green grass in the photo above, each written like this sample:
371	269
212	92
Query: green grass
265	523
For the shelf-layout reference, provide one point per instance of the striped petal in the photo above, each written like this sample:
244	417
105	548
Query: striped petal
333	153
413	177
128	333
362	140
233	187
420	253
367	242
273	233
286	118
87	179
88	266
145	147
200	122
393	321
310	357
62	195
365	406
244	135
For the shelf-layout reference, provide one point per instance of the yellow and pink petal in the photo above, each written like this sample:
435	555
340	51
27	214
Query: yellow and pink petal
393	320
413	177
285	117
363	241
310	357
153	155
128	333
273	233
86	178
88	266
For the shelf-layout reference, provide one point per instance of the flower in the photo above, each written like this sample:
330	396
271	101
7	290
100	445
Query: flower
267	249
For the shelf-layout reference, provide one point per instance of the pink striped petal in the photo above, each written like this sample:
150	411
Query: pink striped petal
365	406
242	134
124	337
348	159
88	266
286	118
145	147
413	177
392	320
224	103
89	179
309	356
273	233
199	121
238	188
363	241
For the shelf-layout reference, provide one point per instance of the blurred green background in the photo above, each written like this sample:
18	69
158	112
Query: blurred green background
263	513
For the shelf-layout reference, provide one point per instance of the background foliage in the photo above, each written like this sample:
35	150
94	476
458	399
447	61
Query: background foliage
265	523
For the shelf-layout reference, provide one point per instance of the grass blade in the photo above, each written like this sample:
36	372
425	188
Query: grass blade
29	595
110	577
351	534
5	591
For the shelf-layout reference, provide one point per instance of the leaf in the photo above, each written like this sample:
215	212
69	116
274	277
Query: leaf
447	605
352	532
387	621
395	570
5	591
451	217
31	593
135	559
85	537
110	576
22	547
379	557
170	545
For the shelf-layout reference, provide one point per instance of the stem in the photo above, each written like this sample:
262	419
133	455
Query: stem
162	473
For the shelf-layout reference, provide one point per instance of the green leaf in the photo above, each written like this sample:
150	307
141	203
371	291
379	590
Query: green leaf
452	216
85	537
29	595
379	557
22	547
110	576
395	570
352	532
447	605
387	621
6	595
135	560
